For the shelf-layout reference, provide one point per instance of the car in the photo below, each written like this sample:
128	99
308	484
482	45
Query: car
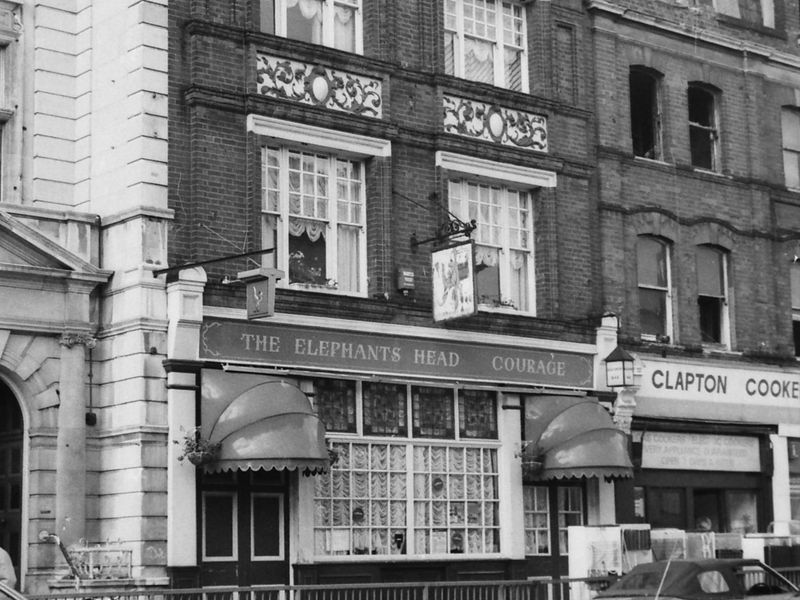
728	578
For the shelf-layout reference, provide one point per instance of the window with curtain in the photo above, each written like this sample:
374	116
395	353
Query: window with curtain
313	214
485	40
703	132
504	265
712	296
652	262
334	23
411	482
790	129
536	502
759	12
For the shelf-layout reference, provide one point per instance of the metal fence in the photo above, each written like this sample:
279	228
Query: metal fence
539	589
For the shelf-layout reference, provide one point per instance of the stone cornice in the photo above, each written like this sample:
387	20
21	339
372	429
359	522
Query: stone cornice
713	38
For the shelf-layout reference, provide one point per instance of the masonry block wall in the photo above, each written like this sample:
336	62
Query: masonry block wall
735	205
215	178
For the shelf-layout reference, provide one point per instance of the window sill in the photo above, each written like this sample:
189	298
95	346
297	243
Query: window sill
654	161
326	558
504	310
702	171
320	289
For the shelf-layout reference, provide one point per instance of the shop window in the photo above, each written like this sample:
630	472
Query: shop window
742	511
759	12
653	267
485	40
219	526
504	268
411	494
790	129
795	285
313	214
645	112
712	297
266	530
703	133
477	415
333	23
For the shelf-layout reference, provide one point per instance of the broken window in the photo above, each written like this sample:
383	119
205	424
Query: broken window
645	113
703	135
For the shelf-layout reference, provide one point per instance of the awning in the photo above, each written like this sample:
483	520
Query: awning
261	423
572	437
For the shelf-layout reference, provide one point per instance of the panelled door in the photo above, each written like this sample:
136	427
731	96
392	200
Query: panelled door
10	475
244	528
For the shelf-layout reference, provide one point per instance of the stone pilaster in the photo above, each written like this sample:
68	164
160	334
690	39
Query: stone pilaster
71	438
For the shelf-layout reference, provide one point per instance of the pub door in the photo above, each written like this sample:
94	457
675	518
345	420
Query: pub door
244	519
11	476
549	509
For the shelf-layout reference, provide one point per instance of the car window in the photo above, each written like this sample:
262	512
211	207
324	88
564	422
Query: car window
712	582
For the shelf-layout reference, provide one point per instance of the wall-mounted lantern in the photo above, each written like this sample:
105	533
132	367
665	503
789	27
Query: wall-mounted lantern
619	368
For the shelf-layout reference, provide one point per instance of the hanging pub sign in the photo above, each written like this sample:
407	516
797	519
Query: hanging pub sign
260	291
453	271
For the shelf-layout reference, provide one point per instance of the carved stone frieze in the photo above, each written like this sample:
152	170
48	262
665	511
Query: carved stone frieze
494	123
70	339
318	86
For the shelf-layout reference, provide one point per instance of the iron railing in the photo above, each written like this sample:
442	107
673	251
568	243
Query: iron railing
534	589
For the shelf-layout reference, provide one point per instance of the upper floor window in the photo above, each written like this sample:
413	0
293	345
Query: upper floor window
333	23
485	40
703	132
504	266
795	277
712	295
645	113
655	314
761	12
790	128
313	214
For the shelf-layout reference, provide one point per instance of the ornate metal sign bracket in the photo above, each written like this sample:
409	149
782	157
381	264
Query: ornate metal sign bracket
447	230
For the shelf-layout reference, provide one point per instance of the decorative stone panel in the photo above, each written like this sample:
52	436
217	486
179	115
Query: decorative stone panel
318	86
493	123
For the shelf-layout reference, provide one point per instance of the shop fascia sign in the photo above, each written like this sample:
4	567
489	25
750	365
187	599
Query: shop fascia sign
665	379
295	346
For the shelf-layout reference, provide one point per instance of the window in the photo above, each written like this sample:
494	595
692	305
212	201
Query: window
415	480
760	12
712	299
655	315
703	135
484	41
645	113
313	214
504	269
795	284
790	128
334	23
266	526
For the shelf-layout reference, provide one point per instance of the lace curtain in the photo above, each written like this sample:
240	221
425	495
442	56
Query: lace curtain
348	259
310	11
313	229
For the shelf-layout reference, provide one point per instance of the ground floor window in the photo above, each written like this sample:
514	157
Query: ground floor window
415	470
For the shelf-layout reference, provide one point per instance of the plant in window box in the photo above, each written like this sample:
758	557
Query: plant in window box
196	449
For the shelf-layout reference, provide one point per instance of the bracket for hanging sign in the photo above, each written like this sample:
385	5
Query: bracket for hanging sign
449	229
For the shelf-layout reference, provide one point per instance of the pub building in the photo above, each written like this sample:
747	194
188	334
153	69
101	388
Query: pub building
711	443
354	451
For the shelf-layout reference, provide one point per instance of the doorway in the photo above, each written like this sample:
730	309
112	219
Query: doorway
244	517
549	509
11	430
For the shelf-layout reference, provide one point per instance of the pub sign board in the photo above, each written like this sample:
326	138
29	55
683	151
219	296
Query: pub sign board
453	270
302	346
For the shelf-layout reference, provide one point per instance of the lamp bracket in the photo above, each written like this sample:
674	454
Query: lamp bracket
447	230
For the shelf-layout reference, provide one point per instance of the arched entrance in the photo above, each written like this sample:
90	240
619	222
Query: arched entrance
10	474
